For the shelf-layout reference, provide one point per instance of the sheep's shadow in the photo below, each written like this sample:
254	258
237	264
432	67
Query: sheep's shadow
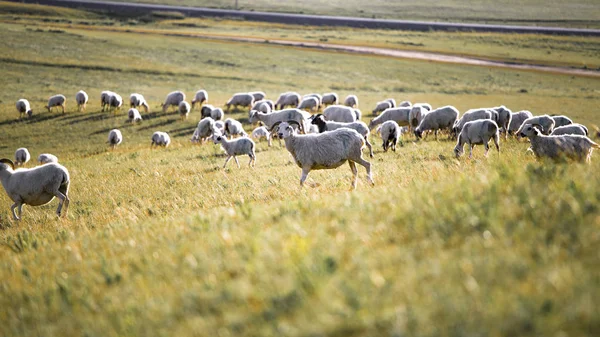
91	118
167	122
33	119
106	130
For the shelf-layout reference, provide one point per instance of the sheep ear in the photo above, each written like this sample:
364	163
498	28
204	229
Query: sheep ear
8	161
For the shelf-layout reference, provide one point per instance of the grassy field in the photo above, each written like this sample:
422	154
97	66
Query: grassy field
165	242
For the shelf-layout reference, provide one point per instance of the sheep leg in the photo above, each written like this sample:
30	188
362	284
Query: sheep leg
367	166
251	162
354	174
435	134
12	208
227	161
236	161
305	171
369	146
497	143
487	149
471	146
64	201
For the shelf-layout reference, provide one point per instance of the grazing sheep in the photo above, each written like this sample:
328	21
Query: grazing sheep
517	120
561	121
390	134
236	147
217	114
105	99
416	115
240	99
173	99
315	95
81	98
404	104
545	124
351	101
205	129
23	107
574	147
22	156
381	106
571	129
438	119
261	132
399	115
471	115
134	115
340	113
301	117
502	116
309	104
280	99
46	158
137	100
330	99
160	138
265	106
114	138
477	132
200	98
425	106
115	101
292	99
234	128
392	102
327	150
184	109
360	127
57	101
258	95
35	186
219	127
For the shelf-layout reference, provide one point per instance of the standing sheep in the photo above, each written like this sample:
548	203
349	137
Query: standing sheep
200	98
545	124
571	129
574	147
263	106
503	118
561	121
258	95
399	115
301	117
438	119
381	106
57	101
292	99
261	132
184	109
236	147
390	134
392	102
340	113
23	107
517	119
212	112
329	99
81	98
405	104
315	95
173	99
114	138
22	156
137	100
46	158
351	101
240	99
359	126
115	101
134	115
309	104
205	129
478	132
234	128
160	138
469	116
105	99
416	115
425	106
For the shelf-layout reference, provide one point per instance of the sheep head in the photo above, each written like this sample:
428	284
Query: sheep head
530	130
7	162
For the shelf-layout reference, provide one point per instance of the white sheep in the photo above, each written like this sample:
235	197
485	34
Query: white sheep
399	115
561	120
301	117
234	128
134	115
57	101
263	106
81	98
574	147
416	115
425	106
329	99
23	107
261	132
200	98
351	101
35	186
137	100
114	138
240	99
205	129
360	127
258	95
160	138
472	115
22	156
340	113
438	119
544	122
173	99
392	102
517	119
115	101
503	117
390	134
105	99
381	106
315	95
571	129
184	109
292	99
309	104
46	158
236	147
404	104
327	150
478	132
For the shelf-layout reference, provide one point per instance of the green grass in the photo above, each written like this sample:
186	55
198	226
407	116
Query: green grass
165	242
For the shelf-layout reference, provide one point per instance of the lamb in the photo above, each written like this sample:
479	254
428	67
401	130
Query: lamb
114	138
23	107
425	106
205	129
105	99
359	126
574	147
280	116
438	119
471	115
561	121
234	128
327	150
173	99
81	98
22	156
240	99
57	101
46	158
517	119
263	106
390	134
477	132
137	100
330	99
200	98
309	103
35	186
545	124
134	115
399	115
236	147
351	101
572	129
381	106
115	101
160	138
184	109
416	115
261	132
340	113
258	95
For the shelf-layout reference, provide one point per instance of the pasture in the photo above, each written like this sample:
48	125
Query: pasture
165	242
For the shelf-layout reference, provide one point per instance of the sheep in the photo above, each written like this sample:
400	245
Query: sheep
105	99
292	99
359	126
160	138
280	116
263	106
46	158
471	115
574	147
114	138
236	147
173	99
309	104
35	186
240	99
478	132
327	150
57	101
184	109
392	102
399	115
280	99
425	106
381	106
572	129
138	100
261	132
390	134
438	119
503	117
351	101
22	156
219	127
134	115
200	98
561	120
115	101
330	99
23	107
258	95
205	129
404	104
545	123
340	113
517	118
216	113
81	98
416	115
357	113
315	95
234	128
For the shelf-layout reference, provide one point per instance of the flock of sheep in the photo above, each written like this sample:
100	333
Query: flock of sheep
333	135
